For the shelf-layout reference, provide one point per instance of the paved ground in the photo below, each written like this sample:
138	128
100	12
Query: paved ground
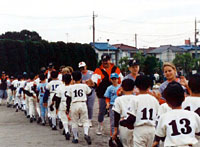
16	131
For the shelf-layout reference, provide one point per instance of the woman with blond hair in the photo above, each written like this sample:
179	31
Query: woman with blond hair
170	73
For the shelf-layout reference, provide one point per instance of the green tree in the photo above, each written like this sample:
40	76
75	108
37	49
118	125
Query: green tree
151	65
185	62
124	64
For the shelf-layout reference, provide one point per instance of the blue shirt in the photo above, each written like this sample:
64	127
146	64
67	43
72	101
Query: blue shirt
41	89
111	93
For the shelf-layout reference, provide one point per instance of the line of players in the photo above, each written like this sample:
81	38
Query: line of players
55	99
134	116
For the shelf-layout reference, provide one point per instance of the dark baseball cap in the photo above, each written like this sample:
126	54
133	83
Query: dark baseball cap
50	65
133	62
105	57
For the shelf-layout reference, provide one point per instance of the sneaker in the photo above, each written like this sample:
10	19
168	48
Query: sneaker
67	136
31	119
39	120
88	139
99	130
16	110
75	141
54	128
60	124
25	113
90	123
28	116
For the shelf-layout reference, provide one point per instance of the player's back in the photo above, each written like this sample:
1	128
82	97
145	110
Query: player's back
122	104
179	127
146	111
52	86
78	92
192	103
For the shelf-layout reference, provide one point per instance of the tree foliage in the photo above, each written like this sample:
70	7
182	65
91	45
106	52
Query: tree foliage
18	55
184	62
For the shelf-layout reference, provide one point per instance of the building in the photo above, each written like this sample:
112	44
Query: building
166	53
105	48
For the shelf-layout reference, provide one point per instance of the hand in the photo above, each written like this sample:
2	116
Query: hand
183	81
114	136
90	83
107	106
155	144
45	105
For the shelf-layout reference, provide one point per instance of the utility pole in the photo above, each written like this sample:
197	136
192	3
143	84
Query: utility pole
93	28
195	37
136	40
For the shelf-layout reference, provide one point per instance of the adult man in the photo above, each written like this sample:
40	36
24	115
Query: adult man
3	87
101	80
86	75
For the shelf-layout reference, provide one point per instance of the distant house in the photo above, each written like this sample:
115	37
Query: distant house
166	53
191	49
125	50
105	48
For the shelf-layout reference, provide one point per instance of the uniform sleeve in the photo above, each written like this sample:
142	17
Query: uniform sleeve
88	89
161	129
197	131
48	86
116	106
107	93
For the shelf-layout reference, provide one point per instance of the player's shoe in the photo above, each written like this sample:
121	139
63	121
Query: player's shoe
54	128
67	136
39	120
60	124
88	139
31	119
75	141
99	129
90	123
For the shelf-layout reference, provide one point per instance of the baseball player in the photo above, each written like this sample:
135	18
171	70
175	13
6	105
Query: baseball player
111	95
48	96
192	102
62	101
177	127
41	87
29	90
78	93
9	91
143	114
120	109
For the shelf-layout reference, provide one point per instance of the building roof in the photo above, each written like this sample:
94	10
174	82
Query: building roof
103	46
188	47
125	47
164	48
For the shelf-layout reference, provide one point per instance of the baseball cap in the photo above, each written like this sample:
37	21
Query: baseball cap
105	57
114	75
81	64
50	65
133	62
3	72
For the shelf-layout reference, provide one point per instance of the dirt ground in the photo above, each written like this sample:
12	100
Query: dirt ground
17	131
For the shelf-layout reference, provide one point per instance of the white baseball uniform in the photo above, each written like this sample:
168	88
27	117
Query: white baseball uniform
179	127
32	101
192	103
121	106
62	92
78	93
145	112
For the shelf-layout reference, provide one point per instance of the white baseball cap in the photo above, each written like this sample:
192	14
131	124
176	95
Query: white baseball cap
81	64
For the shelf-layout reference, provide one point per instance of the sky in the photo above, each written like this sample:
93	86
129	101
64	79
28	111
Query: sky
156	22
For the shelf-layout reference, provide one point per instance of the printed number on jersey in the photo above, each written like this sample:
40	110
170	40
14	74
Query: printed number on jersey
186	129
147	114
54	87
78	93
